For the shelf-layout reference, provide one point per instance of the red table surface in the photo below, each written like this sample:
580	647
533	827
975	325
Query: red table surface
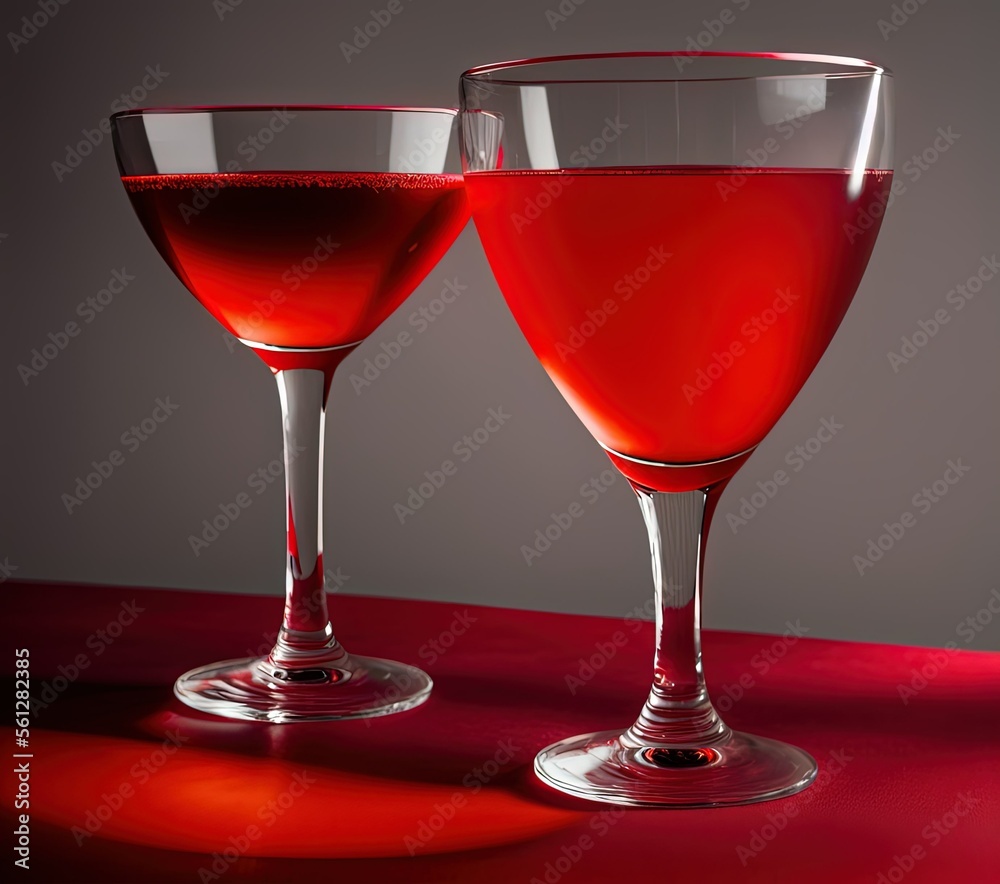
907	790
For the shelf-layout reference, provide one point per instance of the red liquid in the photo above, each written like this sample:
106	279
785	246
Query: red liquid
687	358
300	259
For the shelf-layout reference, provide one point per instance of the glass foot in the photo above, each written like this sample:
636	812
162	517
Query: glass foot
741	769
252	689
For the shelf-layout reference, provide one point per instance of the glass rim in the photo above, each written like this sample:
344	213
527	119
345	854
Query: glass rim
841	65
261	108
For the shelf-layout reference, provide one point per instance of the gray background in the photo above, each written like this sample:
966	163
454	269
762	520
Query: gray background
792	561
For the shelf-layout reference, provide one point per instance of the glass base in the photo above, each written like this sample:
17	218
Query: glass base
251	689
741	769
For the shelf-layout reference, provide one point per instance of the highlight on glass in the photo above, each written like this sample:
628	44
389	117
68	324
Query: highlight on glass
678	237
344	212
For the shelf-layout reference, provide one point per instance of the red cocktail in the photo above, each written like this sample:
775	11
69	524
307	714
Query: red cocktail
679	310
345	211
678	235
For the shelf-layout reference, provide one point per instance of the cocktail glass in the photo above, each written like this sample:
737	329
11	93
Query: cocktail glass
300	229
678	236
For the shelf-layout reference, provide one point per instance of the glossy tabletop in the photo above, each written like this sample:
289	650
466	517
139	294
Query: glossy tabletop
128	784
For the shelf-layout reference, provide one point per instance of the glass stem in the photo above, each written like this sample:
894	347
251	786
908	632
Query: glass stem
678	712
306	638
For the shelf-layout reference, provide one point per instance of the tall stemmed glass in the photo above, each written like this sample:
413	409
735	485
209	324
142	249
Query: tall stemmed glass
678	237
300	229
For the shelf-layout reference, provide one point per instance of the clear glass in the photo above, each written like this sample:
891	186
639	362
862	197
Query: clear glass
678	237
300	229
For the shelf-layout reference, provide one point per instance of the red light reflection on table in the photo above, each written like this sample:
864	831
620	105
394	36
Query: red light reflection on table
174	796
